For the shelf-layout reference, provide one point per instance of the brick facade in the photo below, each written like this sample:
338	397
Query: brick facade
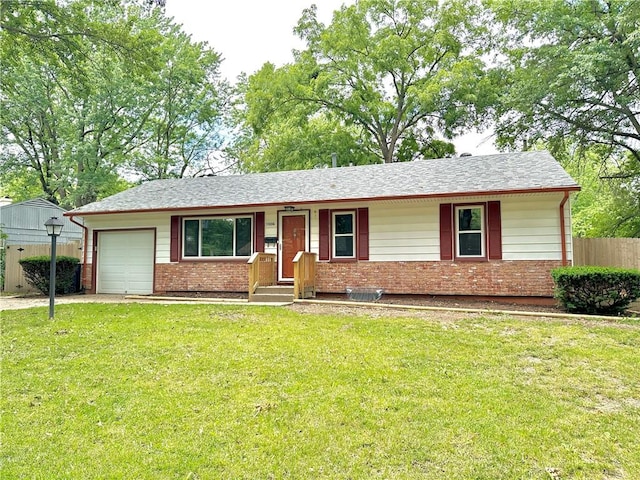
228	276
494	278
86	278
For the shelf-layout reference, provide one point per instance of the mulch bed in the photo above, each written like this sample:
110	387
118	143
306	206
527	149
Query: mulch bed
535	305
546	305
520	304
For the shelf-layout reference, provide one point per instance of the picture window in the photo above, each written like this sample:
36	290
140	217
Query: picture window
218	237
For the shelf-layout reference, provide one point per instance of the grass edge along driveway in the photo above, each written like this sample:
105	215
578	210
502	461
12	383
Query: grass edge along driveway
202	391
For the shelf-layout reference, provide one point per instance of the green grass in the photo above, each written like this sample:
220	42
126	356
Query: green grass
201	392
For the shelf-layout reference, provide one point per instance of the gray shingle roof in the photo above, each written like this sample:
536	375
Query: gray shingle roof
508	172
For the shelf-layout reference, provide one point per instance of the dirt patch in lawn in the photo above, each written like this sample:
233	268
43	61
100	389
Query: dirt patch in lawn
534	304
530	304
444	308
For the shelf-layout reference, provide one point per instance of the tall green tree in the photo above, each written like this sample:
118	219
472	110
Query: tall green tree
279	133
62	116
67	32
572	83
50	56
189	101
127	95
70	142
397	68
572	69
608	204
392	73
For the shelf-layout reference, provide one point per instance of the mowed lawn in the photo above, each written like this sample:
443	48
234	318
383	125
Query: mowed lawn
237	392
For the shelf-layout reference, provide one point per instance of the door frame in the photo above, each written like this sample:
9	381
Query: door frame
307	236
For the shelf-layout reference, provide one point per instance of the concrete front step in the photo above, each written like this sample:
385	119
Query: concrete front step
273	294
276	289
271	298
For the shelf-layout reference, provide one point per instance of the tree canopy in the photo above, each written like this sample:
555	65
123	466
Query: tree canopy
573	69
572	83
98	94
391	73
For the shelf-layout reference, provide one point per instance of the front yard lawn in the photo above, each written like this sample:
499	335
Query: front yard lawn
237	392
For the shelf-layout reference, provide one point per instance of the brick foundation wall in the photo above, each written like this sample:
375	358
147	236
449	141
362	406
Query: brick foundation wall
86	279
495	278
202	277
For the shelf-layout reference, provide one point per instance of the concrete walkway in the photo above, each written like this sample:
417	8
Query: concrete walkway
20	302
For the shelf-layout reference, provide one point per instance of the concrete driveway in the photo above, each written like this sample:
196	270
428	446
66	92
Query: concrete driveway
18	302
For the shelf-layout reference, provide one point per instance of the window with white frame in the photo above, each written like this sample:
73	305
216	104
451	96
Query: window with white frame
217	237
344	234
470	231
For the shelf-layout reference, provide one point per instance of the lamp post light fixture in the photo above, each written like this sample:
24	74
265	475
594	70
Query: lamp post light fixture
54	229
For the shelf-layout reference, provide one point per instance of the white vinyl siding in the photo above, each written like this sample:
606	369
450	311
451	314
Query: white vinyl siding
531	228
159	222
403	230
406	231
410	230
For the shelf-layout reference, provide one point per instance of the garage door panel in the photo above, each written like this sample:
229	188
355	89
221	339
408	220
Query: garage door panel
125	262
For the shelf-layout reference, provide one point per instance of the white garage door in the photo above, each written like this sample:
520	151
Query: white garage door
125	262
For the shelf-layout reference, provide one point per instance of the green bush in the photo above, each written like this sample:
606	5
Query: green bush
37	269
596	290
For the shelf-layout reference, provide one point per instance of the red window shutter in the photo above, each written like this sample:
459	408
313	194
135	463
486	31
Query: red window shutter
495	230
174	255
446	231
362	246
259	232
324	229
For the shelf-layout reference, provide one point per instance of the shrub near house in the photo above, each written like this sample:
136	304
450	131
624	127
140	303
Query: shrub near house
596	290
37	271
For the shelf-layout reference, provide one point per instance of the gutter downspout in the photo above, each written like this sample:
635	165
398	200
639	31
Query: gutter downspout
563	229
84	250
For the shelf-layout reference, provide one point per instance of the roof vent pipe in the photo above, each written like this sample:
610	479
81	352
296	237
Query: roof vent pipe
334	160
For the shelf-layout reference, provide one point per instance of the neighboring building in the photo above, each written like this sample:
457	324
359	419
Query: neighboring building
23	223
26	236
486	225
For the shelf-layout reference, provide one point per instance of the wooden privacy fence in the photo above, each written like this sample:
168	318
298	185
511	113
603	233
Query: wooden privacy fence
607	252
14	280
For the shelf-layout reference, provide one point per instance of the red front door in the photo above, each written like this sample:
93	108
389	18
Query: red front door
293	240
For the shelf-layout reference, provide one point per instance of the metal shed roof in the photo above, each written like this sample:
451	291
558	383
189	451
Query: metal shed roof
23	222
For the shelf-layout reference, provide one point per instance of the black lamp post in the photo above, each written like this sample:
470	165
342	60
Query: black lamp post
54	229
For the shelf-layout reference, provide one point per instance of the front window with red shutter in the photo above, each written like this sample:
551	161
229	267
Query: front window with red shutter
470	231
344	235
